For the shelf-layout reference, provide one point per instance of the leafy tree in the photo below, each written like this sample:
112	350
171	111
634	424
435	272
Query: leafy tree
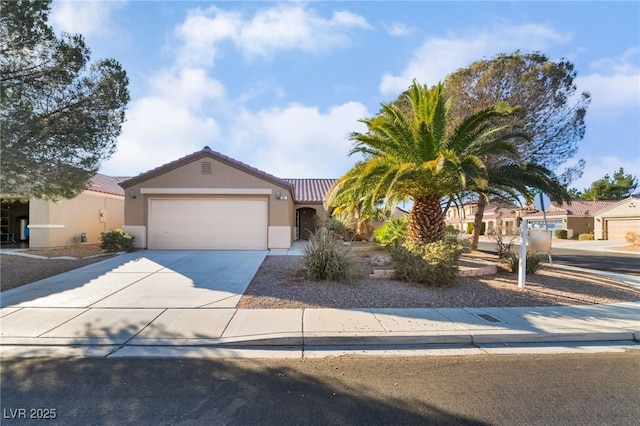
553	118
412	156
618	187
553	110
60	114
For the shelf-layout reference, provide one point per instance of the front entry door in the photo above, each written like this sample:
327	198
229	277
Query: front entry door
307	222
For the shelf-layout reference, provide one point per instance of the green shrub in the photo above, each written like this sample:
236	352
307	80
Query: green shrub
585	237
452	236
534	261
561	233
341	228
434	264
392	233
483	228
470	227
116	240
326	259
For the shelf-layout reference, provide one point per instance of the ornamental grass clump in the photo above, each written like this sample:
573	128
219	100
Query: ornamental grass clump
327	259
434	264
534	261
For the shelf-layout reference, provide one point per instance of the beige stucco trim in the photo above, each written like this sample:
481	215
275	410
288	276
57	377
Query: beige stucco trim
103	195
207	191
279	237
139	233
44	226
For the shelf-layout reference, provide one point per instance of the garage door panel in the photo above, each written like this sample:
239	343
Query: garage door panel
208	224
617	228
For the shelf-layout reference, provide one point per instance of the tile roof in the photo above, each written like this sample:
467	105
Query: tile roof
205	152
310	190
106	184
576	208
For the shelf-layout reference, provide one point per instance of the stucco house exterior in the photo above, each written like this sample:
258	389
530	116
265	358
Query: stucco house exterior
207	200
613	222
45	224
605	219
577	218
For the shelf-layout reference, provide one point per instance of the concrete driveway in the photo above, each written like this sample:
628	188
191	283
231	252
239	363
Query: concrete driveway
153	294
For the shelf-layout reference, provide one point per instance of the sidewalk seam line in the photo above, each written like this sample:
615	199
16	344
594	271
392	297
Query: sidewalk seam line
86	309
122	345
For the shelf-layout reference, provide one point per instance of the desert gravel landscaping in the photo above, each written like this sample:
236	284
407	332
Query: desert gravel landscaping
281	283
16	270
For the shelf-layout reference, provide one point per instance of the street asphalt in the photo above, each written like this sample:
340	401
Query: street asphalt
182	304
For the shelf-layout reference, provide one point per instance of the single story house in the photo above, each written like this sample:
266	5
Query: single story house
577	218
615	221
207	200
606	219
43	224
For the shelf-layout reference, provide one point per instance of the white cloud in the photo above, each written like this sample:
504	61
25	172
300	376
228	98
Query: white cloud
438	57
188	87
158	131
297	141
615	84
282	27
85	17
398	29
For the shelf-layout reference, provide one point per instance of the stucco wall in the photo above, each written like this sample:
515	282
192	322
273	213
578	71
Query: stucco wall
625	210
224	181
579	225
60	224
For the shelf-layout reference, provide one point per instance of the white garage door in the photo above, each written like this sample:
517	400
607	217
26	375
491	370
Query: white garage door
206	224
618	228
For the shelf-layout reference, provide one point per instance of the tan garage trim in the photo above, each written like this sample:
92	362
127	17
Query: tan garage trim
207	191
208	223
617	228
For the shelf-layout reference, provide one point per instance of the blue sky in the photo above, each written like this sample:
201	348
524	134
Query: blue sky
280	85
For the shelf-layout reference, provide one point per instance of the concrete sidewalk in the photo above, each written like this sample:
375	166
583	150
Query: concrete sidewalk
150	332
182	304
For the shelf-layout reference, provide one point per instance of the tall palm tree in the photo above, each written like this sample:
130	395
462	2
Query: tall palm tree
409	155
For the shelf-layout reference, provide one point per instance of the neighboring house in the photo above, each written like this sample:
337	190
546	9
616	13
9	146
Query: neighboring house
615	221
45	224
207	200
607	219
577	218
496	215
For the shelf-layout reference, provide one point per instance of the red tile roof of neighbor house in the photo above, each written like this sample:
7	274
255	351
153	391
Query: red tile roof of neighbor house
107	184
310	190
576	208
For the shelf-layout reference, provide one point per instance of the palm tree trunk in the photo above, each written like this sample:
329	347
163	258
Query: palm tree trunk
477	222
426	222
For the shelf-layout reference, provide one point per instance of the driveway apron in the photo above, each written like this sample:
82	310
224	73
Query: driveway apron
118	298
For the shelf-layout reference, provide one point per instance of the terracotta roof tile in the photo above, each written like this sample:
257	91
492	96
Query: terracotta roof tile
106	184
310	190
576	208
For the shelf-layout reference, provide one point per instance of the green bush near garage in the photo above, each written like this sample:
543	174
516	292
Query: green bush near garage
561	234
116	240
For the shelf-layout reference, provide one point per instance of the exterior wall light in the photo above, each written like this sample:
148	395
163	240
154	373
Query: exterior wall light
132	194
